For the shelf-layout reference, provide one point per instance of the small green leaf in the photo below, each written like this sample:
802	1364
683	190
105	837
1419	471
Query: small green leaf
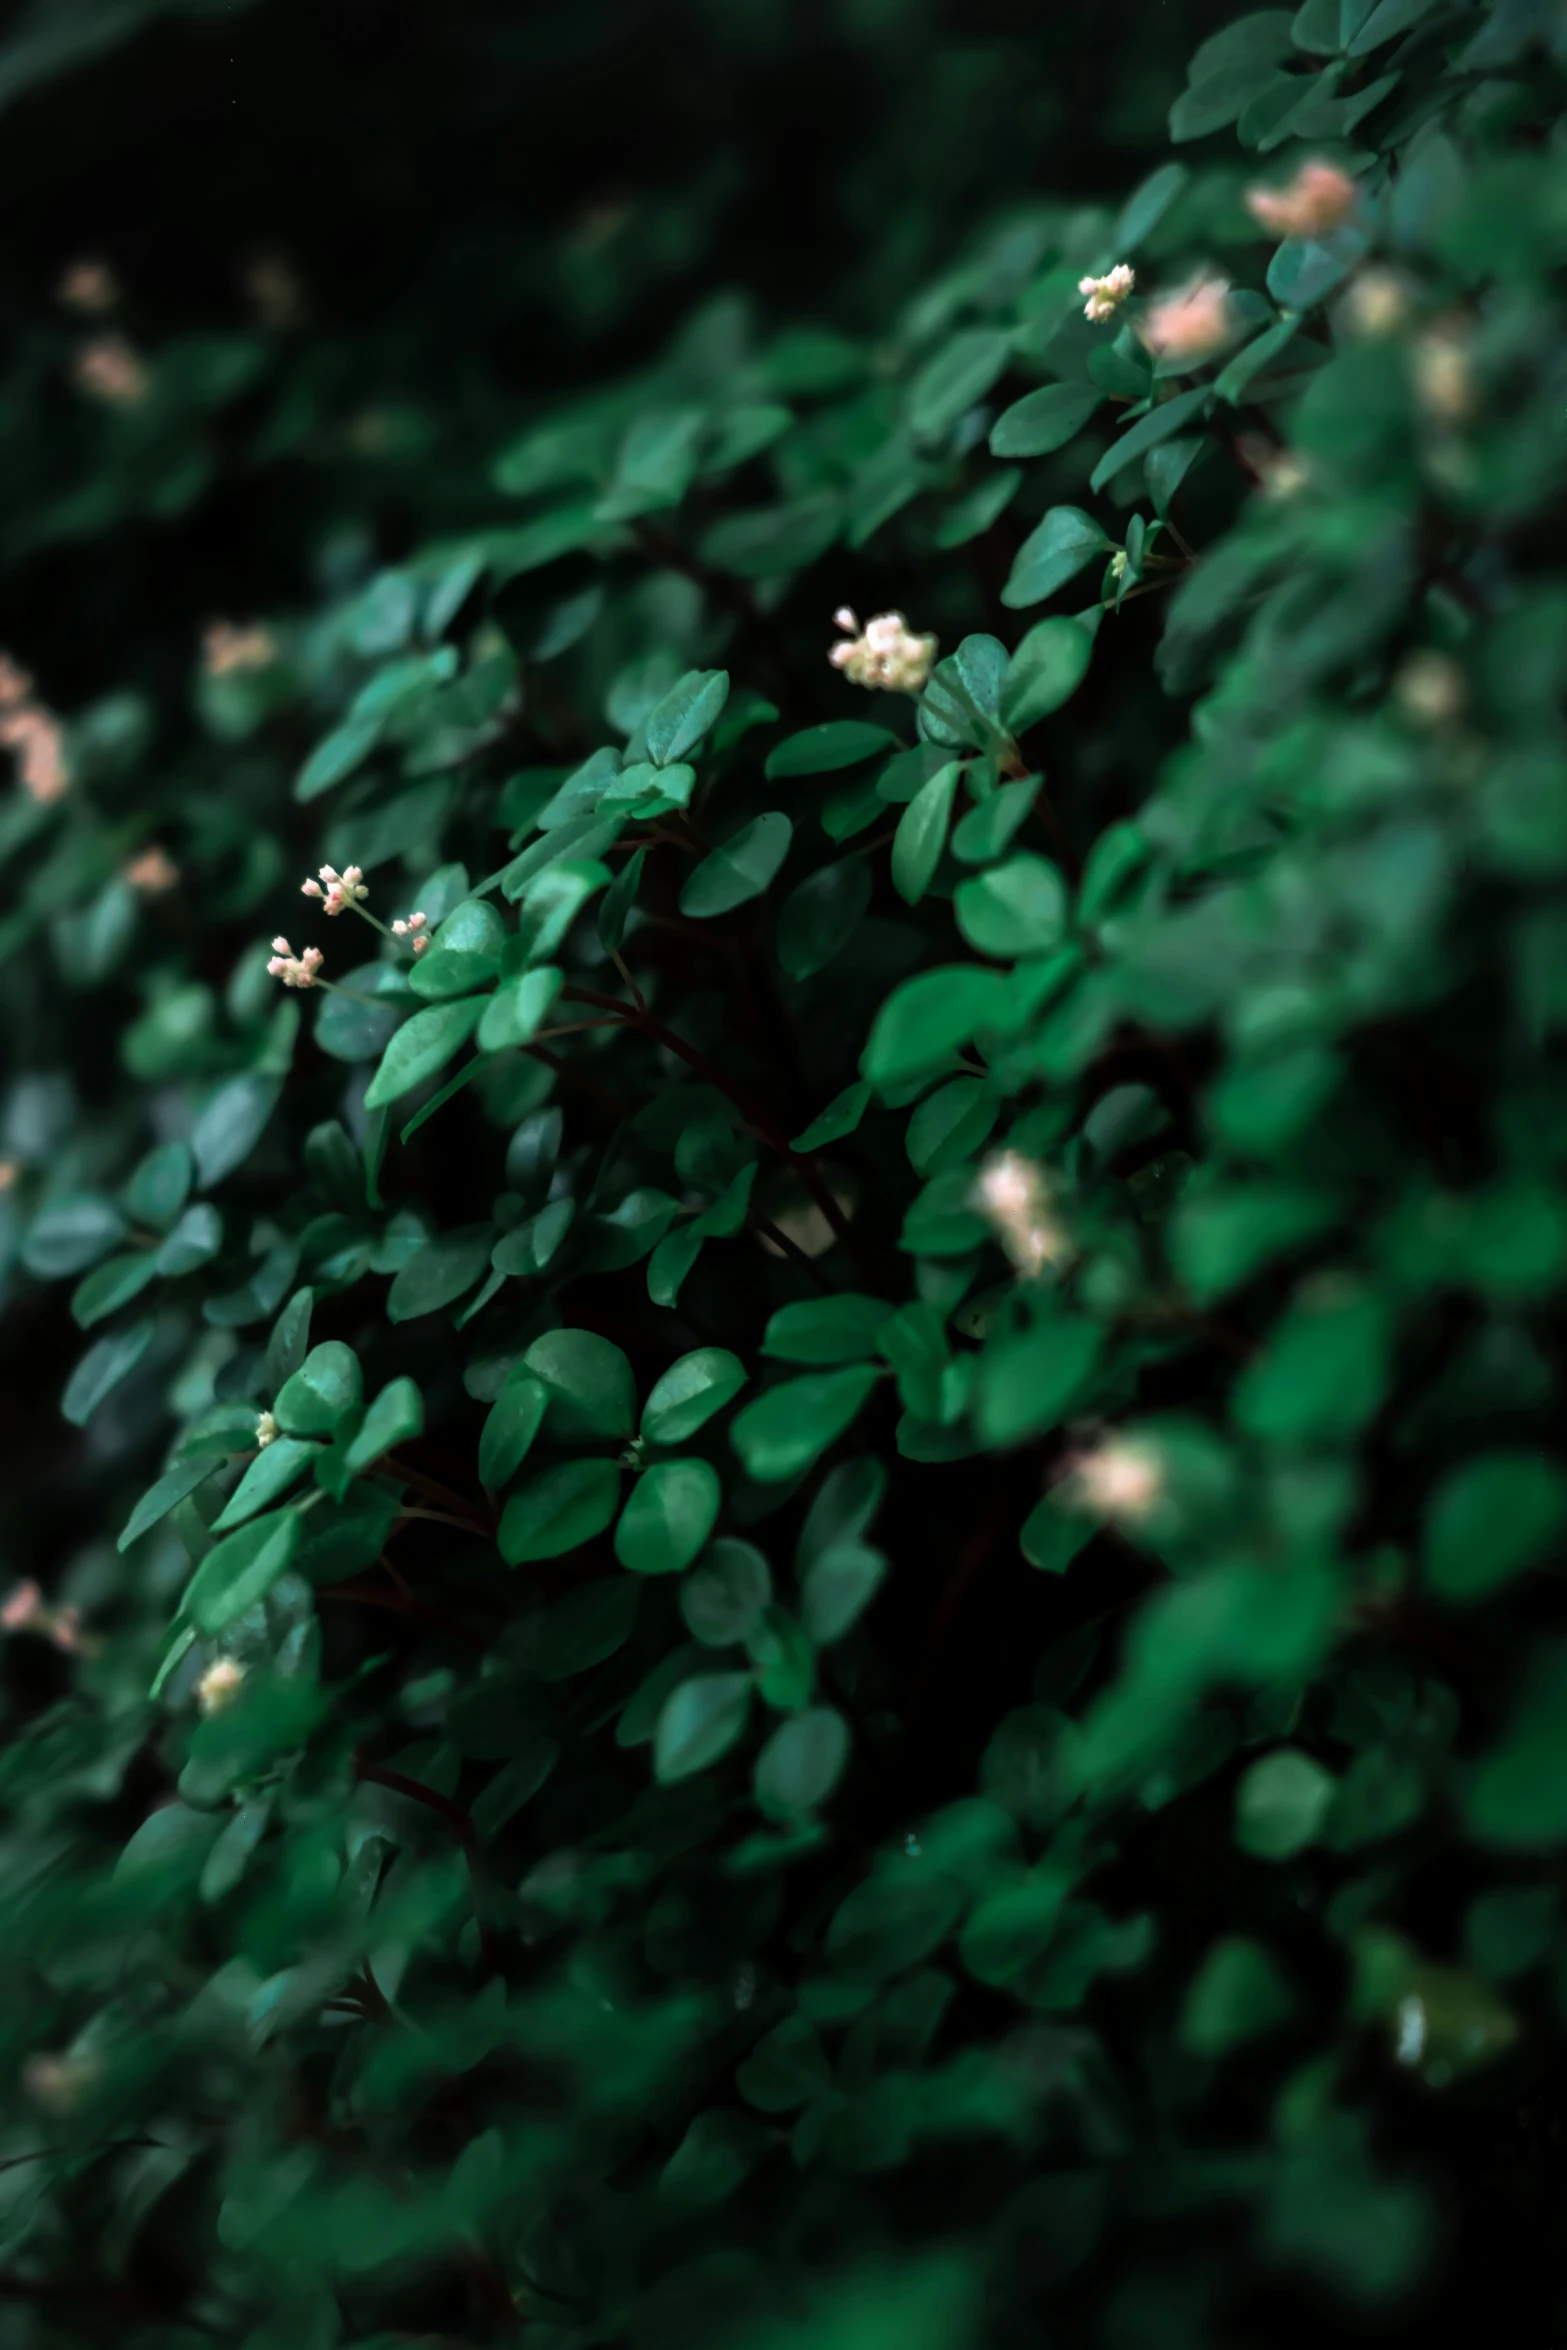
700	1722
514	1421
1044	420
586	1626
1281	1804
67	1235
172	1487
231	1125
396	1415
112	1285
841	1116
790	1426
689	1393
1028	1383
1015	909
275	1468
517	1010
440	1272
823	750
588	1380
1160	424
322	1391
286	1348
691	709
922	833
925	1020
802	1762
961	372
1045	671
101	1370
239	1571
838	1586
559	1511
820	916
420	1047
842	1329
614	908
740	870
1490	1520
1051	555
722	1599
666	1522
1238	1995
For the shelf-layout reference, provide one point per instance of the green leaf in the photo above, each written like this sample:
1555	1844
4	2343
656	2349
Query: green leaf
290	1339
67	1235
420	1047
518	1009
925	1020
325	1388
1490	1520
112	1285
966	518
789	1427
1028	1383
1053	1535
841	1116
823	750
1281	1804
922	833
337	755
802	1762
841	1329
275	1468
691	709
359	1018
838	1586
172	1487
1052	554
700	1722
1044	420
788	2067
723	1598
666	1522
588	1381
1019	908
239	1571
951	1124
396	1415
515	1419
1146	206
159	1188
987	829
443	1270
101	1370
961	373
1238	1995
194	1241
1045	671
559	1511
820	916
1160	424
1387	21
738	871
689	1393
231	1125
1324	1370
1517	1797
614	908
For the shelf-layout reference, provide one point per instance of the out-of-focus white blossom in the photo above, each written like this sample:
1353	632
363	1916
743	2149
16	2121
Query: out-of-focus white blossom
1192	323
219	1685
885	654
1107	293
1013	1194
1319	199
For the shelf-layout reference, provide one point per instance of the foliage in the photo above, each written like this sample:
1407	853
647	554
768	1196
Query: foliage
826	1528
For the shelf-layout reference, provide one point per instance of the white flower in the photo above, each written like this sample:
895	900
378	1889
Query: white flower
410	930
1376	302
342	889
153	872
226	650
1106	294
1444	377
266	1430
1012	1193
107	369
887	654
294	970
219	1685
1430	688
1319	199
57	2083
1192	323
1121	1479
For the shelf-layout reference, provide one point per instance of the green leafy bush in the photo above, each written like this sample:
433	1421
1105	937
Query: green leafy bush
832	1486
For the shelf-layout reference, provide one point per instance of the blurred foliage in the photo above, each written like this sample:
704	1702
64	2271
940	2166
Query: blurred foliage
792	1573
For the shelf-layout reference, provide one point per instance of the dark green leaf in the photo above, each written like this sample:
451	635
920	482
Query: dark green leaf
738	871
689	1393
559	1511
668	1518
790	1426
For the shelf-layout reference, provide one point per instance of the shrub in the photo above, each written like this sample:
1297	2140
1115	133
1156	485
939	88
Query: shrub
832	1486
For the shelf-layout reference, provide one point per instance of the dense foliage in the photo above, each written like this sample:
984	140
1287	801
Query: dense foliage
792	1563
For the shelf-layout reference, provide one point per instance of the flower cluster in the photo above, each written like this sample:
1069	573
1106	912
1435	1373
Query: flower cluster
108	370
227	651
26	1611
1319	199
58	2083
219	1685
347	888
413	930
1013	1195
295	970
33	733
1192	323
90	286
1444	377
885	654
1106	294
153	872
266	1429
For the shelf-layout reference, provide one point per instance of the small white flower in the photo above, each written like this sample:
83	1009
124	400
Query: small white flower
266	1430
1430	688
1318	200
1121	1480
410	931
342	889
886	654
1106	294
58	2083
1376	303
294	970
1191	324
219	1685
1012	1193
